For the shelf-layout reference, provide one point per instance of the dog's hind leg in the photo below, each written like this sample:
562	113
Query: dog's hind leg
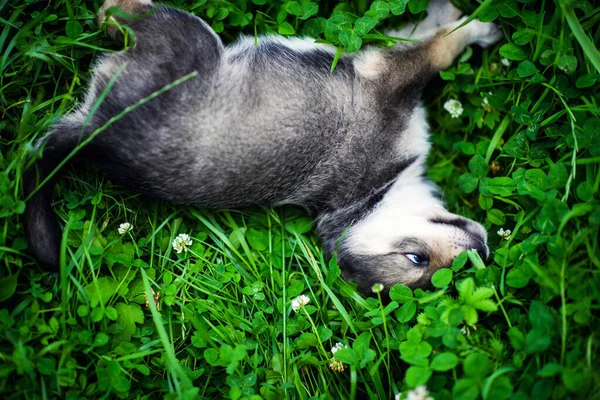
169	44
132	8
137	142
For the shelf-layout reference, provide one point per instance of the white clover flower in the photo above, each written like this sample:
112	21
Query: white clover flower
182	242
419	393
377	288
485	102
338	346
454	107
397	396
505	62
336	365
504	234
299	302
124	228
155	297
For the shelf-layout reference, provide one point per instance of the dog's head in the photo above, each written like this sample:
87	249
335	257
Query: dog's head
406	238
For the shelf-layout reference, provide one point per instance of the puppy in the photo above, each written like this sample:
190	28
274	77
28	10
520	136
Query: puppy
265	122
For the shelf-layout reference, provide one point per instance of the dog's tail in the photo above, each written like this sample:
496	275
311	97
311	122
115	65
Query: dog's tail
41	228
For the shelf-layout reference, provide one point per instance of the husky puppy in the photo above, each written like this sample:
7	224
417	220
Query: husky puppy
266	122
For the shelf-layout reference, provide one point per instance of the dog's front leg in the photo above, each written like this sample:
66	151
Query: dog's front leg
448	43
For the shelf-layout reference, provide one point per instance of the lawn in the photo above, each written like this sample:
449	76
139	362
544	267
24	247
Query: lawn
130	316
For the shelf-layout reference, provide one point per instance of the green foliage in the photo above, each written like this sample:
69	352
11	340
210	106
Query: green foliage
132	318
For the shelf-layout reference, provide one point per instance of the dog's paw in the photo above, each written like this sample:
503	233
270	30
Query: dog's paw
442	12
484	34
128	6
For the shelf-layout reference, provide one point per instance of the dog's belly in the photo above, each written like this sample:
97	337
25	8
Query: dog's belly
217	163
279	136
299	158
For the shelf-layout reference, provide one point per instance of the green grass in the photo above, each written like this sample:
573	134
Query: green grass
521	325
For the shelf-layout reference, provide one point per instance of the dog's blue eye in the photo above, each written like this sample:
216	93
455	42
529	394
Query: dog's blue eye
417	259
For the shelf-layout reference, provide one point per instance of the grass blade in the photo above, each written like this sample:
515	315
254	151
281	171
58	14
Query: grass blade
586	44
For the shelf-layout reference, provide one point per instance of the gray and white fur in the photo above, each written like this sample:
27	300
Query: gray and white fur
265	122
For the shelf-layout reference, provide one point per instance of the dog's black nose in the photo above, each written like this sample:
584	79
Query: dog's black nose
482	249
